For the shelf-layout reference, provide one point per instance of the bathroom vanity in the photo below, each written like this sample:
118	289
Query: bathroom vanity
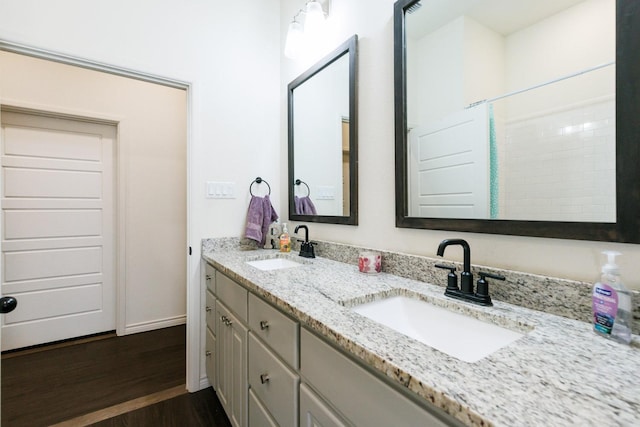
285	347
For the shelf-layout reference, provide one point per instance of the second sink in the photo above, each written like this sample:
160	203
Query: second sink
458	335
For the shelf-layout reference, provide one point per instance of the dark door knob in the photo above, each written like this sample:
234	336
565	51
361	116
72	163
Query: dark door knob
8	304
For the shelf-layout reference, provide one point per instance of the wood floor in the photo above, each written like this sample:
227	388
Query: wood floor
103	378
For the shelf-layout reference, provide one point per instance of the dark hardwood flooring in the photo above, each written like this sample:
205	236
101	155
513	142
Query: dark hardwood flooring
200	409
53	385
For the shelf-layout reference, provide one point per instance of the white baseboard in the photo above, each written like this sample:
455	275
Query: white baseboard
155	324
204	383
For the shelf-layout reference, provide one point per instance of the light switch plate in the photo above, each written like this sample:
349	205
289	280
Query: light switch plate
220	190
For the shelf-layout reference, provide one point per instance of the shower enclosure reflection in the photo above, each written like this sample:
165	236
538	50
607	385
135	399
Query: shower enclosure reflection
511	117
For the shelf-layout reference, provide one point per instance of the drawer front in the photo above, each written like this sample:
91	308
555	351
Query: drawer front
276	329
210	358
210	277
273	382
210	312
314	412
351	389
232	295
258	414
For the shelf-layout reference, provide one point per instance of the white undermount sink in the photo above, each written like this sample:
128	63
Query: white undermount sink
275	263
458	335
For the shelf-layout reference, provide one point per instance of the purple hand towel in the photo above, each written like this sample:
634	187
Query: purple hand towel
259	216
304	206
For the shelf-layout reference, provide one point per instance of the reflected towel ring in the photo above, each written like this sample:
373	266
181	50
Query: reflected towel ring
258	180
298	182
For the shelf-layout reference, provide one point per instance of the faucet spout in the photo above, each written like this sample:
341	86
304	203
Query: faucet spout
306	232
466	251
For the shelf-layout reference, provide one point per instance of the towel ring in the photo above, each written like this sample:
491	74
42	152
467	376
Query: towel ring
298	182
258	180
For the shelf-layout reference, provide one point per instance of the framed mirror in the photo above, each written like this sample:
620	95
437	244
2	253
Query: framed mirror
518	118
323	140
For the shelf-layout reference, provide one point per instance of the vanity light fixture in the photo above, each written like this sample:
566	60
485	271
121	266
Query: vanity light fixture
298	35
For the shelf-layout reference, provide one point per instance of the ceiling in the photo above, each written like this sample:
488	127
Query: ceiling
502	16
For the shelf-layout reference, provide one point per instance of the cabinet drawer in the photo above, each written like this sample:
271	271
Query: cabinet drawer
363	398
210	312
315	412
258	414
210	355
210	277
276	329
273	382
232	295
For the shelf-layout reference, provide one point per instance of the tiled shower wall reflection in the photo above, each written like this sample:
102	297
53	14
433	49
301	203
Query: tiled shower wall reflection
560	166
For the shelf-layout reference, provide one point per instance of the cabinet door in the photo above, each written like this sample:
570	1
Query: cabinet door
210	277
258	414
231	366
273	382
210	357
314	412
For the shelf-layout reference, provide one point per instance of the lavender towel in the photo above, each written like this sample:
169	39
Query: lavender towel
259	216
304	206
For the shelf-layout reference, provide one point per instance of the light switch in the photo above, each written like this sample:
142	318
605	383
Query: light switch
220	190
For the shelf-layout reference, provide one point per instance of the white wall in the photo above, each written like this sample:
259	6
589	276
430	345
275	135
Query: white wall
228	51
373	22
151	174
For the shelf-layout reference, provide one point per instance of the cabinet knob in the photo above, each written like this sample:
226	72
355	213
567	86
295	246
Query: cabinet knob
207	353
264	378
208	309
207	277
264	325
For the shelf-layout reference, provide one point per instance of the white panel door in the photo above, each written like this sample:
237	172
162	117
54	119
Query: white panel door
57	228
448	165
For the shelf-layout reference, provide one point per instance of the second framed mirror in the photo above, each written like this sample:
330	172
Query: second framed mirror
323	140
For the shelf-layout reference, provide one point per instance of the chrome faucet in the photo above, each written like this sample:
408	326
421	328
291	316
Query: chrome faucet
306	247
466	292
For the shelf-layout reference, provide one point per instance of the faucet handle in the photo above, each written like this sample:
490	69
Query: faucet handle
482	289
452	279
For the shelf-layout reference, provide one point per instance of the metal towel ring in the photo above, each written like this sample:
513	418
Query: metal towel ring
258	180
298	182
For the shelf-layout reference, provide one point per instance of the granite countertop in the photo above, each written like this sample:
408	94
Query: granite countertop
558	374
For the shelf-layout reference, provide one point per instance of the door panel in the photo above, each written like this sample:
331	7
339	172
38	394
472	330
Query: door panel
58	227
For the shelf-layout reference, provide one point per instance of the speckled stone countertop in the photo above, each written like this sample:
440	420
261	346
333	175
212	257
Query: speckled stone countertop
558	374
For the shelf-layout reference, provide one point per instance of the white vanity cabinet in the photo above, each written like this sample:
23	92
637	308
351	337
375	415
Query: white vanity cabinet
273	359
271	372
358	395
210	321
231	349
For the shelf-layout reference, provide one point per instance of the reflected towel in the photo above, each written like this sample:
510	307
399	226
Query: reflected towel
304	206
259	216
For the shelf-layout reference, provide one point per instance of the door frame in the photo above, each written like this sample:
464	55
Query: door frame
193	300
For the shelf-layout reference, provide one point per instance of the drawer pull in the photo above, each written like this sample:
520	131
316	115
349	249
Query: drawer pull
264	325
264	378
208	309
207	353
207	277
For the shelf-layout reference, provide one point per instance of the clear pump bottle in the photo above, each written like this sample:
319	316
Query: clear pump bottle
285	239
612	303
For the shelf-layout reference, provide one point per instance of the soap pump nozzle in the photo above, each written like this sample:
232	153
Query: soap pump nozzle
611	267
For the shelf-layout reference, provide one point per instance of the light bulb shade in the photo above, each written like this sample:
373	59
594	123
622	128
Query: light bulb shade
294	41
314	20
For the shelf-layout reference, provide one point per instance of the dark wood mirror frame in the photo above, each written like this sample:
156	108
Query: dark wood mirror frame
626	229
349	48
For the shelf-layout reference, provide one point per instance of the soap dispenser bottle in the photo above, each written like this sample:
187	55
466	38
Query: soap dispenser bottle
285	239
612	303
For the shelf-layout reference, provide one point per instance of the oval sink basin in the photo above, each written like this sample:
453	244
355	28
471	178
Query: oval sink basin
273	264
463	337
